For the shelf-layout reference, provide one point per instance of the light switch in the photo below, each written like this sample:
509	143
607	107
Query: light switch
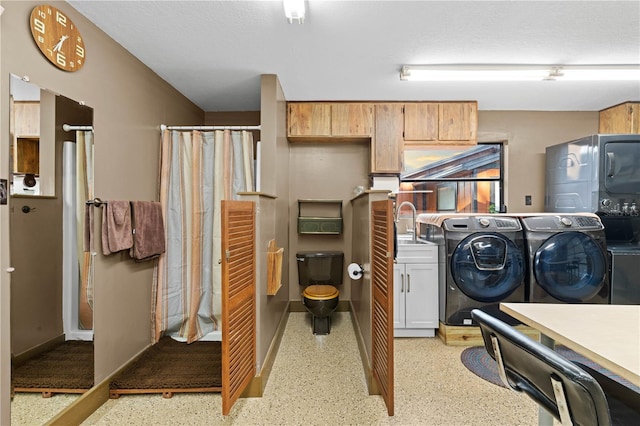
527	200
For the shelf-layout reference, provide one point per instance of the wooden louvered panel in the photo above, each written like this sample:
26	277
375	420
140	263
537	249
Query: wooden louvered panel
382	309
238	300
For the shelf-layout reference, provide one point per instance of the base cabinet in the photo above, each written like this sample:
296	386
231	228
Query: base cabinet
415	299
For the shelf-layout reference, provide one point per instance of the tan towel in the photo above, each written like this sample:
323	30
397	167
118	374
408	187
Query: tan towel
116	227
148	230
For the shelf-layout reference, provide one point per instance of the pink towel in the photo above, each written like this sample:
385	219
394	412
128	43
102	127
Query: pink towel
116	227
148	230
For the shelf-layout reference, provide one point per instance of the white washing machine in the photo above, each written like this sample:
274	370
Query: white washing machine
481	263
567	258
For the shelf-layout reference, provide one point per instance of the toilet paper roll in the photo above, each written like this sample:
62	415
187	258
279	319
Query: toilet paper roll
355	271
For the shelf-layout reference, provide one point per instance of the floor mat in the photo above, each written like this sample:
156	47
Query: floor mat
480	363
170	366
67	368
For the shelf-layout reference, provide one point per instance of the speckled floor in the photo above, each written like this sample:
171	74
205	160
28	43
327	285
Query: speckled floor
318	380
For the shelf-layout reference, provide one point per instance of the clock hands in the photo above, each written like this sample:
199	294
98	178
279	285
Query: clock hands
58	46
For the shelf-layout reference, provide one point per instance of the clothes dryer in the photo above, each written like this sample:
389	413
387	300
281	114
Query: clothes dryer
481	263
567	257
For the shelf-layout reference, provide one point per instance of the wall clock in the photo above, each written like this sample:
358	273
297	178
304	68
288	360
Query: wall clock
57	37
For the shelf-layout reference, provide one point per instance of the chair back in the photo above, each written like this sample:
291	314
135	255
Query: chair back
566	391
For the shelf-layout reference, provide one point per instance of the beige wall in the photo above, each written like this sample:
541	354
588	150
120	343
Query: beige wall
324	171
527	133
130	102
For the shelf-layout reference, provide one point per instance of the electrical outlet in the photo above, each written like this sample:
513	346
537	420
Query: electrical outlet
527	200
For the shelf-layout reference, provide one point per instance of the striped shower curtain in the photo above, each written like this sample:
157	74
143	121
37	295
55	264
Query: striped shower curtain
197	171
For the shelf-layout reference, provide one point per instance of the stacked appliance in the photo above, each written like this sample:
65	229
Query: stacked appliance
567	259
601	174
481	263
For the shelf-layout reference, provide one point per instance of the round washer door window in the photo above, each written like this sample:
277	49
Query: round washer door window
570	266
487	267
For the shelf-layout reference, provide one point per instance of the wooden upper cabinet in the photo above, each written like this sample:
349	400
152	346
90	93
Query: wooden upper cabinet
309	119
329	121
623	118
387	145
351	119
451	123
421	121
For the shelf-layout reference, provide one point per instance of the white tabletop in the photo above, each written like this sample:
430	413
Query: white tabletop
606	334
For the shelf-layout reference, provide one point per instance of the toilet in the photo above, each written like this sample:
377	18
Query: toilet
320	272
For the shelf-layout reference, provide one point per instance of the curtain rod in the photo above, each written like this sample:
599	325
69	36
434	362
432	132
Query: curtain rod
69	127
165	127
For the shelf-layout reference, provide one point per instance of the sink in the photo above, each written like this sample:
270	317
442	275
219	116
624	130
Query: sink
410	251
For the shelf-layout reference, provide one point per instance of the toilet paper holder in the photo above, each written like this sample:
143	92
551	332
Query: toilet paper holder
355	271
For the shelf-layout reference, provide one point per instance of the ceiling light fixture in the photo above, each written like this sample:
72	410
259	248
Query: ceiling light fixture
294	9
519	72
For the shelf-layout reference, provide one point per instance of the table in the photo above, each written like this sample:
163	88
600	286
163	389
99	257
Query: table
606	334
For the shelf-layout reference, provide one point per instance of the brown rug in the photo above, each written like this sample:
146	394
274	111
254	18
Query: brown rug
66	368
171	366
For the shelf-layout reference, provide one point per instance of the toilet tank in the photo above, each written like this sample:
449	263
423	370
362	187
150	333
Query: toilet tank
320	267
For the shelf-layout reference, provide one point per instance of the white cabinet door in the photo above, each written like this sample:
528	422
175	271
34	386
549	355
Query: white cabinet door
421	295
398	296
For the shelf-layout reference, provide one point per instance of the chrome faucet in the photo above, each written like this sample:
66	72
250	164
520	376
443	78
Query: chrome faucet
413	216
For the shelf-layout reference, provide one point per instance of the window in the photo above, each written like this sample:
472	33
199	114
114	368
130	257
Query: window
454	179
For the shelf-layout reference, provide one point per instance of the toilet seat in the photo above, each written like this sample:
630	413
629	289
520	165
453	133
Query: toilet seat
320	292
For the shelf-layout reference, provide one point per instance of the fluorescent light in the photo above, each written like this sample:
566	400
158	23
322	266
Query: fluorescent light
294	9
519	72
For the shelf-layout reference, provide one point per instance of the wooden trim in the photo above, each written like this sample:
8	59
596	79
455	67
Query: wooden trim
84	406
37	350
467	335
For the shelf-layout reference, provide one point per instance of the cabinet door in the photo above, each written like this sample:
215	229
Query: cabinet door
387	144
421	296
351	119
27	118
398	296
623	118
458	122
310	119
421	121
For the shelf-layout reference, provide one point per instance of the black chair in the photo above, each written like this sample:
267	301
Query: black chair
571	392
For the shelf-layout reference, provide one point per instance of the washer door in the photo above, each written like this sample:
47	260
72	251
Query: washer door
487	267
570	266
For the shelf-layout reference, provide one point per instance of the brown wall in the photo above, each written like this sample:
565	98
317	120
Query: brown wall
527	133
130	102
324	171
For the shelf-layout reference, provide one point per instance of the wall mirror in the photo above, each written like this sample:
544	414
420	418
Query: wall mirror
51	288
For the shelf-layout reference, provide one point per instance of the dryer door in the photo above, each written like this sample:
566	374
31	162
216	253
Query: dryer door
570	266
487	267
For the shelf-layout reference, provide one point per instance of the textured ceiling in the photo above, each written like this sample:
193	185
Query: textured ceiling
215	51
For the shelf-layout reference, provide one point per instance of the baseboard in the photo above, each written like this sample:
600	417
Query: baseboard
298	306
255	388
37	350
90	401
364	357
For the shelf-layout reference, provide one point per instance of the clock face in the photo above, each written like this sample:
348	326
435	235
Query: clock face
57	38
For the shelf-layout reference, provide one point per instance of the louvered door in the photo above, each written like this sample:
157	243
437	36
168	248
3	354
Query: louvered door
382	310
238	300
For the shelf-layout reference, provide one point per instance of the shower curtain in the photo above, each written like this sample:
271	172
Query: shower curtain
197	171
84	192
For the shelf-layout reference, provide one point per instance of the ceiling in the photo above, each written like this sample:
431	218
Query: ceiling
214	52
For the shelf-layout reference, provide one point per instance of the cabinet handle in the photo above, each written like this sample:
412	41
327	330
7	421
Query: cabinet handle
401	283
408	283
